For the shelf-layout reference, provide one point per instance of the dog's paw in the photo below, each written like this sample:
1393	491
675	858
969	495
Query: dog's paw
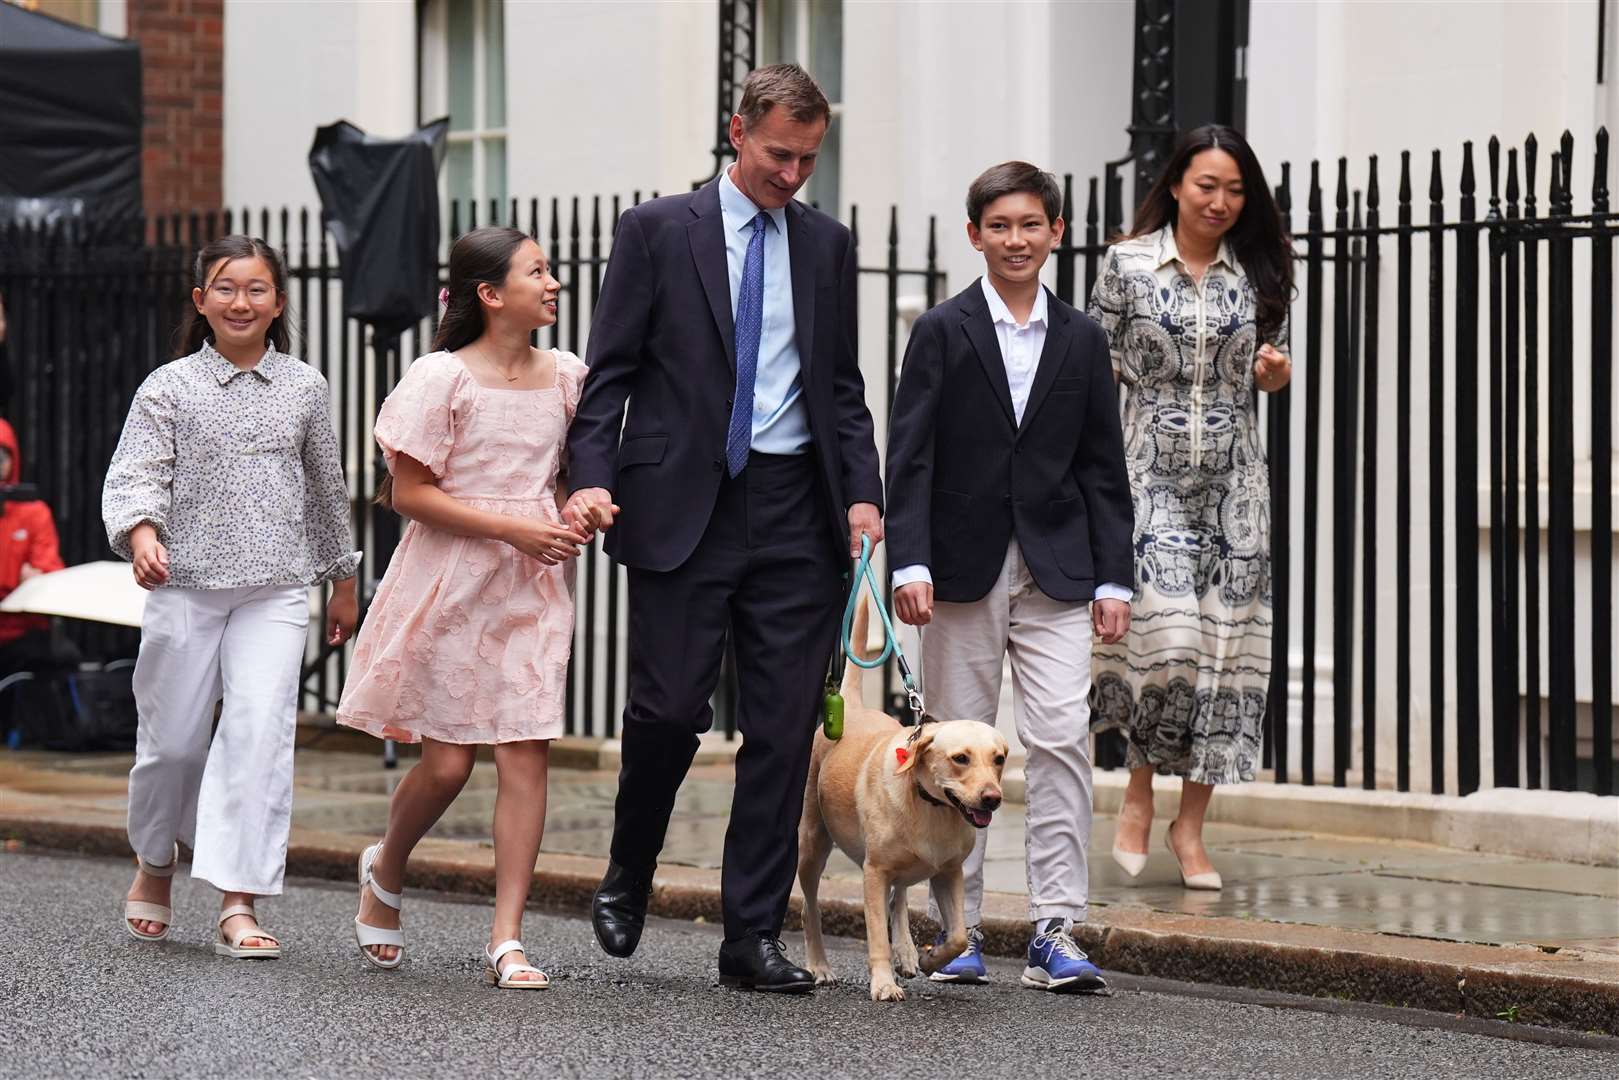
933	959
905	964
823	975
886	990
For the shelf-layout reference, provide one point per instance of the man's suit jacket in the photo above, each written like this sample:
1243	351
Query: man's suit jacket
965	478
663	342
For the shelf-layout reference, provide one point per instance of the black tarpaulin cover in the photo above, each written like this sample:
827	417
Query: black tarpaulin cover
380	199
70	116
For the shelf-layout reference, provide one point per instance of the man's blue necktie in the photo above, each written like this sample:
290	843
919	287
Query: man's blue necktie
750	313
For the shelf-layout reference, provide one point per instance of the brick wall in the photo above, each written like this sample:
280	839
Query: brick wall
182	72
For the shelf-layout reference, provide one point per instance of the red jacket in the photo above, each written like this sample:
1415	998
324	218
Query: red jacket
27	535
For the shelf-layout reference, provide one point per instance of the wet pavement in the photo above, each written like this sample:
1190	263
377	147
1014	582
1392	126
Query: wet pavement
85	1000
1271	874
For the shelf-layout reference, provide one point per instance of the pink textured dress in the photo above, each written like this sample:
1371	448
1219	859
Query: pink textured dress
467	640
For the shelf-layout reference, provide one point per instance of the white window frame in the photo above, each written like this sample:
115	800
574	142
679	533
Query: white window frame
799	12
435	101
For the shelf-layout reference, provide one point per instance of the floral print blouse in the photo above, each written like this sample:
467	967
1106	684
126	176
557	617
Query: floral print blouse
239	472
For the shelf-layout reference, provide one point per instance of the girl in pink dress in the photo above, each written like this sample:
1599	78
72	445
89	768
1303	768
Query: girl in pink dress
467	640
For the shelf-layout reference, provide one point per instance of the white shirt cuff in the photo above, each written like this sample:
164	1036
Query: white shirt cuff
1108	591
908	575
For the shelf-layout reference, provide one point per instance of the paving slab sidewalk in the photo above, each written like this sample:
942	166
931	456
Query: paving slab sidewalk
1386	922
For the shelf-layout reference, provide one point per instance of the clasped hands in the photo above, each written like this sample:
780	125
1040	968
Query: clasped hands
586	512
590	510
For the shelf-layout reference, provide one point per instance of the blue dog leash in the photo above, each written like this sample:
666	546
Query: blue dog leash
891	648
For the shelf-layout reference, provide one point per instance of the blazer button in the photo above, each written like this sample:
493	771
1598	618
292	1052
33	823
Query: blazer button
716	466
1006	499
727	403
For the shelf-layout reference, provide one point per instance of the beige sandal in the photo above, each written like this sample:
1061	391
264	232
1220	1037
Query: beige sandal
503	979
233	947
145	910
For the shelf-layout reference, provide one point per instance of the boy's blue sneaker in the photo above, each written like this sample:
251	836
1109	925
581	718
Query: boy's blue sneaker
969	966
1058	964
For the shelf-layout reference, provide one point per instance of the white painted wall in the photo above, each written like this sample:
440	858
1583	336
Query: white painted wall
617	95
1335	78
608	97
292	66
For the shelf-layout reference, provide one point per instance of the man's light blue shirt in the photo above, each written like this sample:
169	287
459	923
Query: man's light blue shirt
780	419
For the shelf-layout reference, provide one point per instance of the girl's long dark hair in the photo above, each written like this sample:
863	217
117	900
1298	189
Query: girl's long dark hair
480	257
194	329
1257	238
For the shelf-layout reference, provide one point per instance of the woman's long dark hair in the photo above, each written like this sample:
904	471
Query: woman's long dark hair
1257	238
480	257
194	329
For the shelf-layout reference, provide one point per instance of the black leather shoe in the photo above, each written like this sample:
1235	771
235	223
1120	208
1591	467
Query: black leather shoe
618	911
759	962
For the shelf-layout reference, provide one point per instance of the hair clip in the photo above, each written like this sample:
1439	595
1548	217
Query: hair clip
444	297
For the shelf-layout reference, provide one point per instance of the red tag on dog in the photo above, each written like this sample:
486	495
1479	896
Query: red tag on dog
902	754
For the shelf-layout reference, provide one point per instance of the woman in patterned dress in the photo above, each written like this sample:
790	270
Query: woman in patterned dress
1194	301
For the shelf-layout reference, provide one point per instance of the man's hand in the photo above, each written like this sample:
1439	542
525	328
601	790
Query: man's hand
28	571
864	520
1110	619
342	612
913	603
590	509
151	559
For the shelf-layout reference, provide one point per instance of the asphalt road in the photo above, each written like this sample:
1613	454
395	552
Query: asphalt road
82	999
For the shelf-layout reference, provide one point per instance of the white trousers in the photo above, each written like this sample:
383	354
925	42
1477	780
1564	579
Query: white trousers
1048	641
229	796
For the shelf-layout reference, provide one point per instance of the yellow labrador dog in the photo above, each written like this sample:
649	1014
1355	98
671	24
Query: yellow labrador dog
903	802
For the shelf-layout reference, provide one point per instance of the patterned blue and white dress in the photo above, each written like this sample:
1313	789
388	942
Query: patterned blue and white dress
1187	686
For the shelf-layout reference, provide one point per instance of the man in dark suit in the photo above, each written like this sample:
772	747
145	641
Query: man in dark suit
1011	525
723	435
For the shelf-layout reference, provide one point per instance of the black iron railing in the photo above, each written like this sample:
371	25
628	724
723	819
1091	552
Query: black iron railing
1474	604
90	316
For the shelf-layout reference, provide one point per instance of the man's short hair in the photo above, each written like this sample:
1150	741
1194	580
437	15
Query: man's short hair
1012	178
787	85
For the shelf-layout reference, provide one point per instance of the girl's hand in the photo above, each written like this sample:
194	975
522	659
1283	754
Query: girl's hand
342	612
151	561
1272	368
551	544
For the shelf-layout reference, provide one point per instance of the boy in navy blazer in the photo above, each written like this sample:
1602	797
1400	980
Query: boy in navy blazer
1010	522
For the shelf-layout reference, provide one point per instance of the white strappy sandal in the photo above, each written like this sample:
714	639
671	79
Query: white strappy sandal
367	935
145	910
495	977
232	946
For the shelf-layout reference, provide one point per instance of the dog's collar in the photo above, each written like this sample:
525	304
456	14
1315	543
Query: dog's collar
922	791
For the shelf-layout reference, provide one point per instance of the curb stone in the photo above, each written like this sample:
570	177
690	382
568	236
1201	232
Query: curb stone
1568	990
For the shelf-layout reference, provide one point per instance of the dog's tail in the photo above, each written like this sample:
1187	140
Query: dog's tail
852	672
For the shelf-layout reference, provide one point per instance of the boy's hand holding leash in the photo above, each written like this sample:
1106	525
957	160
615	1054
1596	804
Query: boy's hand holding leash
151	559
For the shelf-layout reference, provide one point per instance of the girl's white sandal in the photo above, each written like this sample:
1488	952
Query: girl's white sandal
146	911
495	977
232	946
366	935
